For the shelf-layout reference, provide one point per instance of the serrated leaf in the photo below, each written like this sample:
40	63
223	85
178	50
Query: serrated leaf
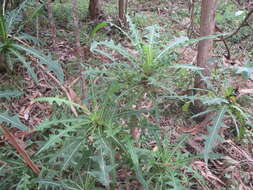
10	94
69	156
102	175
48	123
111	45
186	66
245	71
59	101
53	139
216	100
12	120
213	132
98	27
152	35
52	65
26	64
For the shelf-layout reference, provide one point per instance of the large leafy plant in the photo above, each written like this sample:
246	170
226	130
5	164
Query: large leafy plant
14	46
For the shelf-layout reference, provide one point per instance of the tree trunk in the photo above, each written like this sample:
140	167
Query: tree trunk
94	9
207	27
52	22
122	10
78	46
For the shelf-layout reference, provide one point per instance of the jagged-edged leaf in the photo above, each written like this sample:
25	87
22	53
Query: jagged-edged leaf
183	40
52	65
98	27
246	70
135	34
175	183
213	132
57	100
152	34
212	101
186	66
26	64
103	174
175	43
13	17
12	120
48	123
73	149
135	160
10	94
112	46
47	183
30	39
56	138
94	48
95	71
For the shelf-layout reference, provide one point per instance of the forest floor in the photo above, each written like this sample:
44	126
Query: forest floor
234	170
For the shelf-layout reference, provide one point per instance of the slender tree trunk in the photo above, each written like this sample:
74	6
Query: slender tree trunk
78	45
52	22
207	27
122	10
94	9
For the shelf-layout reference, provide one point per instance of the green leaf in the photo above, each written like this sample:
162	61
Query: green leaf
12	120
103	174
186	66
26	64
213	132
175	43
58	101
51	64
10	94
48	123
75	148
112	46
98	27
3	32
53	139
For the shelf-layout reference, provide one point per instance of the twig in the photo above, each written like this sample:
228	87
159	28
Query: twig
244	23
62	87
228	56
12	140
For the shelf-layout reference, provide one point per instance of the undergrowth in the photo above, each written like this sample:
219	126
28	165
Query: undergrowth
117	140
